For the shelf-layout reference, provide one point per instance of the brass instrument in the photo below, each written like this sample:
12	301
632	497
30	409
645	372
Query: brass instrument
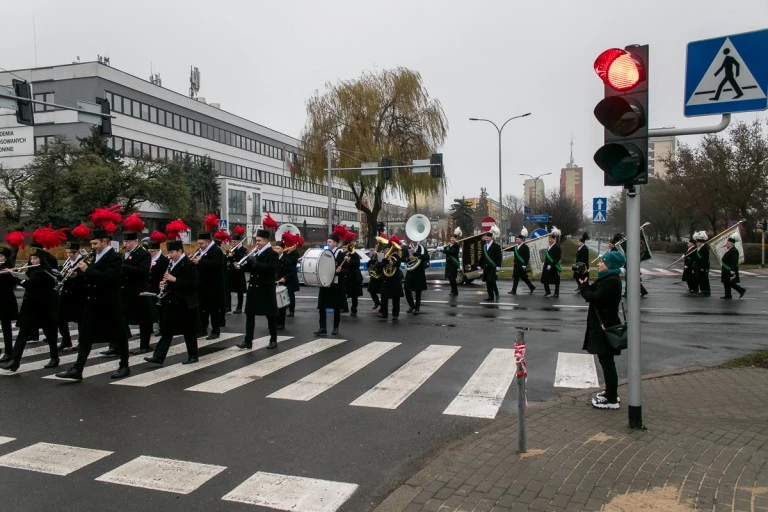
350	248
417	229
232	250
390	268
197	254
381	243
242	261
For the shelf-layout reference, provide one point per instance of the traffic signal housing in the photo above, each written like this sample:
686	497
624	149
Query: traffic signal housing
623	112
436	167
24	110
386	168
106	121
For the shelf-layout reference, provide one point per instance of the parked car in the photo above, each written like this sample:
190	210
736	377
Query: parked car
314	251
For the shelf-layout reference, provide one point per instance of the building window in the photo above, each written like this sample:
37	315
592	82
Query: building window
153	114
43	96
236	202
136	108
145	112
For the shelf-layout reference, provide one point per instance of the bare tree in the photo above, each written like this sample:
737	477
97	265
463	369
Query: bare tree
14	192
564	211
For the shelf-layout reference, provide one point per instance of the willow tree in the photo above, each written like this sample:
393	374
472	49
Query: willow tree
364	120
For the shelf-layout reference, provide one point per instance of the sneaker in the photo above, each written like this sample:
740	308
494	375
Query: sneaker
601	394
600	402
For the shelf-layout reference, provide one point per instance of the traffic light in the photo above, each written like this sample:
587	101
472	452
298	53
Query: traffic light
764	225
106	122
24	110
623	112
436	169
386	168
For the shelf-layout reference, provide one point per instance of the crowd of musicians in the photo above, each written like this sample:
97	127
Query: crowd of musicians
104	291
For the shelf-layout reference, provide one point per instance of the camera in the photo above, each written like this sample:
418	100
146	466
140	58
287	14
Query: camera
580	269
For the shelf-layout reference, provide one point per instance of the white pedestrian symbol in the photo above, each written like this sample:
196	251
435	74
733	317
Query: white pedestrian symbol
727	73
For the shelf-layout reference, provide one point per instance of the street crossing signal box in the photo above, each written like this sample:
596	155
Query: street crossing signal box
24	109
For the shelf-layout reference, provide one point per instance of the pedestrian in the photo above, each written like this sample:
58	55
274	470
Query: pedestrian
416	277
179	297
38	308
353	278
701	263
261	298
551	272
286	274
522	255
71	295
582	256
9	307
236	276
452	263
491	264
332	297
604	297
392	287
689	277
137	307
729	275
211	263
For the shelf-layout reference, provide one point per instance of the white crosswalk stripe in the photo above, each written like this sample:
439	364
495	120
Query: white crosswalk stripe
169	475
484	393
32	349
333	373
54	459
247	374
63	360
395	389
4	439
575	371
177	370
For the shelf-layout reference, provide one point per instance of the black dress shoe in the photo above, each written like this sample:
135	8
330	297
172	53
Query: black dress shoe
335	332
53	363
238	311
6	357
532	290
202	334
153	359
742	292
547	294
245	345
555	295
415	311
512	292
139	351
280	327
727	297
73	373
489	299
290	314
109	353
10	365
190	360
395	317
213	336
63	345
320	332
272	344
382	315
353	313
121	372
377	306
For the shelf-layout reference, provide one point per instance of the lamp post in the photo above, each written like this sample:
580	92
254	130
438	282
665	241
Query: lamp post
535	182
499	130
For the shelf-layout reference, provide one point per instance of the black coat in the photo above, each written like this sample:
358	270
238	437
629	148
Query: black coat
236	276
451	252
156	272
489	267
103	317
292	280
701	259
72	298
603	295
416	279
353	278
40	303
393	286
261	298
375	284
333	297
210	270
582	256
135	281
181	297
550	274
731	261
521	252
9	306
688	265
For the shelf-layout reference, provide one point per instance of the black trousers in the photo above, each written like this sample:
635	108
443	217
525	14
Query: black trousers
239	301
702	277
557	287
291	300
66	339
8	335
49	329
375	299
385	298
281	316
524	278
353	309
336	318
610	375
215	319
250	326
413	304
493	289
728	285
185	317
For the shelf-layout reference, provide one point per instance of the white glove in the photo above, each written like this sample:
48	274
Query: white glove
498	268
523	267
549	267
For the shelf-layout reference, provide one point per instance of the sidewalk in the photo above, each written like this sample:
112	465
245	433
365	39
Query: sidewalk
705	447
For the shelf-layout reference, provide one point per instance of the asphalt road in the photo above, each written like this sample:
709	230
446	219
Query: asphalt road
145	435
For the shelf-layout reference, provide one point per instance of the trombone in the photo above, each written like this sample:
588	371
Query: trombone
232	250
239	264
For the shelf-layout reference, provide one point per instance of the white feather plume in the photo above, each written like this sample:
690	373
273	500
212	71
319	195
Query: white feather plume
555	232
700	236
524	232
496	231
458	232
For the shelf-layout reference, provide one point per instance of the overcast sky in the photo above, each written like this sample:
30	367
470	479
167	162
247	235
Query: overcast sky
491	59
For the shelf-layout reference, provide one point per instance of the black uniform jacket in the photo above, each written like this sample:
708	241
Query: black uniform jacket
333	296
416	279
730	261
550	272
135	281
286	269
523	252
9	307
40	298
604	296
489	268
157	271
103	315
261	298
451	260
701	259
210	269
393	286
181	299
353	278
236	276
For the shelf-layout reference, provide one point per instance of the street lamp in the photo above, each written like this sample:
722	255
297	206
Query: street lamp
499	130
535	182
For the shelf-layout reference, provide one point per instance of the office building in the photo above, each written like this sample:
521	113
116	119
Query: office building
659	149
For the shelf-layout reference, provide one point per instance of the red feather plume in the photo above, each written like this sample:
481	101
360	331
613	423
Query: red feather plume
238	230
299	241
341	232
211	222
15	239
269	222
134	223
351	236
82	232
49	237
174	228
107	218
222	236
288	239
394	239
158	236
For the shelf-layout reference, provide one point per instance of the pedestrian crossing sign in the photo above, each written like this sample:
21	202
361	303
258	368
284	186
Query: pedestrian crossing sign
599	217
727	74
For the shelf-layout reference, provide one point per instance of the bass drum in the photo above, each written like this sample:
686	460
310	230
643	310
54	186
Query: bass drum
318	268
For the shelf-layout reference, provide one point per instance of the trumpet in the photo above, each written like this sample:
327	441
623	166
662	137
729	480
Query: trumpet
240	263
196	255
232	250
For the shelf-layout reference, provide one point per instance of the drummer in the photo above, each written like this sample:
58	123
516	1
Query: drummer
286	276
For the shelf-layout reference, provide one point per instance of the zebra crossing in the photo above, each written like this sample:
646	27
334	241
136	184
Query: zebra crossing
675	272
481	396
265	489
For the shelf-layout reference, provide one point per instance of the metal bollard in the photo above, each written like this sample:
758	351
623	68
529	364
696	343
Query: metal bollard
522	401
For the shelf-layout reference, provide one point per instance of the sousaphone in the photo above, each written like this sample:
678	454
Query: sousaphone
417	229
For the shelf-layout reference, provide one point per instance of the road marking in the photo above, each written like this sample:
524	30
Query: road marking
180	348
54	459
4	439
333	373
164	373
575	306
70	358
482	395
397	387
247	374
498	304
176	476
41	349
575	371
284	492
435	302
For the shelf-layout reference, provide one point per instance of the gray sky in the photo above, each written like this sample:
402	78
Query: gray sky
490	59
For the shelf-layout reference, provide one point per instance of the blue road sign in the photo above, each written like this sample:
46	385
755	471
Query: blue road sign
727	74
599	210
223	224
536	217
599	217
538	233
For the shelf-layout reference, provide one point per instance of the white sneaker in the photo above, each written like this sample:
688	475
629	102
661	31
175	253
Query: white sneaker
602	403
602	394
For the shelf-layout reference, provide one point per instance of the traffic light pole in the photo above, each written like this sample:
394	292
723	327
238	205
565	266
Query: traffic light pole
634	373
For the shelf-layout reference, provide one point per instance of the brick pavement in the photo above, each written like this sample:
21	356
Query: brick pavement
705	448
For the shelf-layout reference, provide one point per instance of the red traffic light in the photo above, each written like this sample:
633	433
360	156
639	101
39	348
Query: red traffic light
619	69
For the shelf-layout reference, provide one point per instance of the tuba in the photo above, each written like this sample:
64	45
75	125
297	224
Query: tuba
390	266
417	229
381	243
